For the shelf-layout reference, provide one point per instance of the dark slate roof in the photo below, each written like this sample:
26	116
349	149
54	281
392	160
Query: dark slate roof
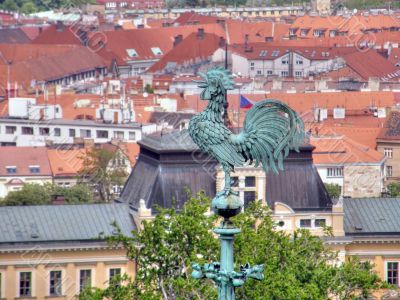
13	36
372	216
299	184
169	142
169	165
391	128
57	223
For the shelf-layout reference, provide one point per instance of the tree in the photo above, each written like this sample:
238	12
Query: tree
297	266
28	8
99	172
394	189
37	194
334	190
9	5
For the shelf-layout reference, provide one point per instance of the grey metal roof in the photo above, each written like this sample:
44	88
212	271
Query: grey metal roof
55	223
372	216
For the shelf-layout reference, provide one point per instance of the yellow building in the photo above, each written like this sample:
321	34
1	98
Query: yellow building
53	252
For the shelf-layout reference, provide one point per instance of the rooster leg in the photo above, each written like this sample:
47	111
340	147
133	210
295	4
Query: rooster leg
227	188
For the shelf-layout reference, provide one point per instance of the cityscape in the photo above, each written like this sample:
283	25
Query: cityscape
138	135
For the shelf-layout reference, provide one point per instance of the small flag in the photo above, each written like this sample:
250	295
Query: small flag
245	103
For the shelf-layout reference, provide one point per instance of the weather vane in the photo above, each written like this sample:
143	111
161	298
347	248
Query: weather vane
270	130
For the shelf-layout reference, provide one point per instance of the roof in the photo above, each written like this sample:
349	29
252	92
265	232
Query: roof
64	35
193	49
66	162
268	51
342	150
192	18
168	166
62	223
299	185
137	44
22	158
376	65
391	128
371	216
13	36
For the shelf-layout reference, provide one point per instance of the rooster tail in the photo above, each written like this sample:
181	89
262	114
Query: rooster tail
271	128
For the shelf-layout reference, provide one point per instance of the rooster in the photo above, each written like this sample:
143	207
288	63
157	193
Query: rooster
270	130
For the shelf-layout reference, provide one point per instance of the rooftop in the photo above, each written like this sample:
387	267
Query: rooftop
371	216
62	223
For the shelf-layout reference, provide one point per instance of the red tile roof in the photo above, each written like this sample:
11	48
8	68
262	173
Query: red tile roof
391	128
196	47
66	162
22	158
142	40
192	18
66	35
342	151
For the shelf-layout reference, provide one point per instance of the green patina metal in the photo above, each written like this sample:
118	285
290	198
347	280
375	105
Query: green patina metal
270	130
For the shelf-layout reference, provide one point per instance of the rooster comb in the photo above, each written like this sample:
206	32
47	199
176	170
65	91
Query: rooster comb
221	74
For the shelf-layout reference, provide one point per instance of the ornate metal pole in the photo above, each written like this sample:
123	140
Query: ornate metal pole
270	129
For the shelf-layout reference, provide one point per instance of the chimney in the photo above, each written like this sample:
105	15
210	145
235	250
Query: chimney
221	42
60	26
200	33
40	29
117	27
57	199
178	39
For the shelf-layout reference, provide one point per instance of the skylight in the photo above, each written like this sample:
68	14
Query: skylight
275	53
132	52
263	53
156	51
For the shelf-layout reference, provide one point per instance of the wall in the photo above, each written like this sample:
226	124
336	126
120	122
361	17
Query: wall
40	263
5	189
363	181
393	161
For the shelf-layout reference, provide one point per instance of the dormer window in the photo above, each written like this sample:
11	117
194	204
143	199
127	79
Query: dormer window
132	52
11	169
156	51
34	169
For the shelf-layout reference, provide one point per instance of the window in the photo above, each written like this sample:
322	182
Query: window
269	72
156	51
131	52
119	135
235	181
389	171
114	272
132	135
299	61
392	274
335	172
11	170
285	61
304	32
320	222
11	129
25	284
305	223
102	134
263	53
252	64
55	283
85	279
388	152
275	53
57	132
34	169
27	130
249	196
86	133
298	74
284	73
72	132
250	181
44	131
259	72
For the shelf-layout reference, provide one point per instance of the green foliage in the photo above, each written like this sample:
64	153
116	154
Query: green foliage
9	5
334	190
394	189
149	89
31	6
101	173
36	194
297	266
28	8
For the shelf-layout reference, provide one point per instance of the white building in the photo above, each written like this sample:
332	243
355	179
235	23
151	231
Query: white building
261	59
23	132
